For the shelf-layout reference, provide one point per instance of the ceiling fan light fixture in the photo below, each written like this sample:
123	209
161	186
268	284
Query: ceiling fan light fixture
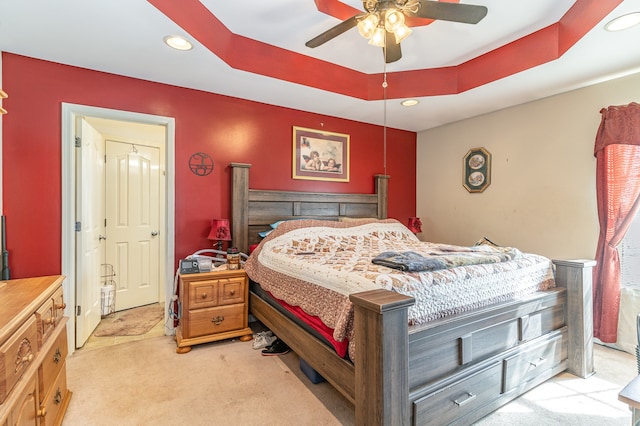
623	22
378	37
178	43
402	32
393	19
367	26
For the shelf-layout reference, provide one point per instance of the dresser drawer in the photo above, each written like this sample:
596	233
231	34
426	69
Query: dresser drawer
526	365
51	407
460	398
52	363
16	354
203	294
46	317
216	320
58	305
231	291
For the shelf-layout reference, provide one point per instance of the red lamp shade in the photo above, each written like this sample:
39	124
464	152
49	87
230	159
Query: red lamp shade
415	225
220	231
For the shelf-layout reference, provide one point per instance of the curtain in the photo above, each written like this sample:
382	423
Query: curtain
617	152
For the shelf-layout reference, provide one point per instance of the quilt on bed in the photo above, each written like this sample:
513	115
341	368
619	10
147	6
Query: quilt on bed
316	265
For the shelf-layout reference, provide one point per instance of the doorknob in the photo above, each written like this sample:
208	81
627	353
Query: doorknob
101	237
154	233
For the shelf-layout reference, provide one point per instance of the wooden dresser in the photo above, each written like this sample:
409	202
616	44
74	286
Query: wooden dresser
33	350
214	306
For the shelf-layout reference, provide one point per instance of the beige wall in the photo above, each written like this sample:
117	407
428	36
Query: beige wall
542	193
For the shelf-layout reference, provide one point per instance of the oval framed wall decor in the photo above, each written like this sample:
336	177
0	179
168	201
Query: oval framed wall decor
476	170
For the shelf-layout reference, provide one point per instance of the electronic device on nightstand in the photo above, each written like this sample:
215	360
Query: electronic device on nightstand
195	265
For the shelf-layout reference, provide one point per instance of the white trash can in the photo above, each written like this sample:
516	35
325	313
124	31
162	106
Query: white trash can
108	299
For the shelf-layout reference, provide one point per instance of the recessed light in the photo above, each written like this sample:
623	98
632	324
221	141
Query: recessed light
623	22
178	43
409	102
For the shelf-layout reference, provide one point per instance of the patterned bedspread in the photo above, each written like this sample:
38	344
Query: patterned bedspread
316	265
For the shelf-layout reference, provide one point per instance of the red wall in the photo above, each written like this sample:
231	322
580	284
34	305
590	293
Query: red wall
228	129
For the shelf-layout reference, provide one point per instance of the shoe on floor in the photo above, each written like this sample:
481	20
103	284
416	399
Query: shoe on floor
277	348
263	339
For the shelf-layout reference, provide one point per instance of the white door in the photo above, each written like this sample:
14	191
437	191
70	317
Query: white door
133	221
89	228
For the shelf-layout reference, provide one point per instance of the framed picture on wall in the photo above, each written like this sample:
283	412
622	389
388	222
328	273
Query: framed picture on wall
320	155
476	170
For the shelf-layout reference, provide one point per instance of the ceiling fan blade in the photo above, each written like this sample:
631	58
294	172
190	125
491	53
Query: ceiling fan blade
333	32
392	49
455	12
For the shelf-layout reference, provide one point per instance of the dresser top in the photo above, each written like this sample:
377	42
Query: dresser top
21	297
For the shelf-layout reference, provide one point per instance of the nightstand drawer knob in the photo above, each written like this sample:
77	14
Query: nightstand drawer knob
217	320
232	292
204	295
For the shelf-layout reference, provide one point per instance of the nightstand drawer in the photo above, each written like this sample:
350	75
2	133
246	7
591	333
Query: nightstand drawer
16	354
216	320
203	294
231	291
459	399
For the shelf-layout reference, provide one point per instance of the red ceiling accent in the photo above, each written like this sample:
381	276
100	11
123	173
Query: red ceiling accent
253	56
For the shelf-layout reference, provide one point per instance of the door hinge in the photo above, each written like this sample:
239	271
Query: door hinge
78	226
78	310
78	142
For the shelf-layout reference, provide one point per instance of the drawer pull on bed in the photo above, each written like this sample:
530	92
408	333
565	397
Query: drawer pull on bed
217	320
538	362
469	397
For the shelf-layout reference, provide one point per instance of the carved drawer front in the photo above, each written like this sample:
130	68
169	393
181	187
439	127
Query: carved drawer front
25	411
231	291
203	294
16	354
216	320
52	363
522	367
460	398
58	305
46	317
55	400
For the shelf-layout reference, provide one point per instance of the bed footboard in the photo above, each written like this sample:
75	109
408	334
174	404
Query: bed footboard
382	363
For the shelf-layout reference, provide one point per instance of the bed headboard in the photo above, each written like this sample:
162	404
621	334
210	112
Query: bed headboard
253	210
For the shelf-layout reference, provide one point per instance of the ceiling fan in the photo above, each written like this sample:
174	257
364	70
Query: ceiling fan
383	23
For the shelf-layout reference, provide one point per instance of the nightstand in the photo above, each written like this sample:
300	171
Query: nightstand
215	306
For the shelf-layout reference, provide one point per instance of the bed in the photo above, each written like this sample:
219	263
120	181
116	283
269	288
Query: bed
453	369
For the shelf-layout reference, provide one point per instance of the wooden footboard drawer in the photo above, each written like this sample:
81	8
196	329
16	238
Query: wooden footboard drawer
533	361
216	320
459	399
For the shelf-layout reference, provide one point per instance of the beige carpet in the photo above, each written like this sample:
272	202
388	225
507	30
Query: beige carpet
228	383
131	322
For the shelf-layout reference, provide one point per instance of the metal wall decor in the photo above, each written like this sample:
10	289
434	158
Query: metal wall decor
201	164
477	170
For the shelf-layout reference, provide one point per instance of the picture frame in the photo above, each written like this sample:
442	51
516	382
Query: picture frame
476	170
320	155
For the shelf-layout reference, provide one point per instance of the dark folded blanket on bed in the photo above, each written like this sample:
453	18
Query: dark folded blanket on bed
410	261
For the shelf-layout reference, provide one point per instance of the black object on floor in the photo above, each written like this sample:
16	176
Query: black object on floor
277	348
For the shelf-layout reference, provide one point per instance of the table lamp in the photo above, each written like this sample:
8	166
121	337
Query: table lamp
220	231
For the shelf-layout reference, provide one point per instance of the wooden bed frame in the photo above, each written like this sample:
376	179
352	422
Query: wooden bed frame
454	370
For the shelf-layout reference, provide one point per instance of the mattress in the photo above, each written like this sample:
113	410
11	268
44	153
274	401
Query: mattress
315	266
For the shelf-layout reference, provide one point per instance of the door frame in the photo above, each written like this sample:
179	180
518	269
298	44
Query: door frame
69	114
